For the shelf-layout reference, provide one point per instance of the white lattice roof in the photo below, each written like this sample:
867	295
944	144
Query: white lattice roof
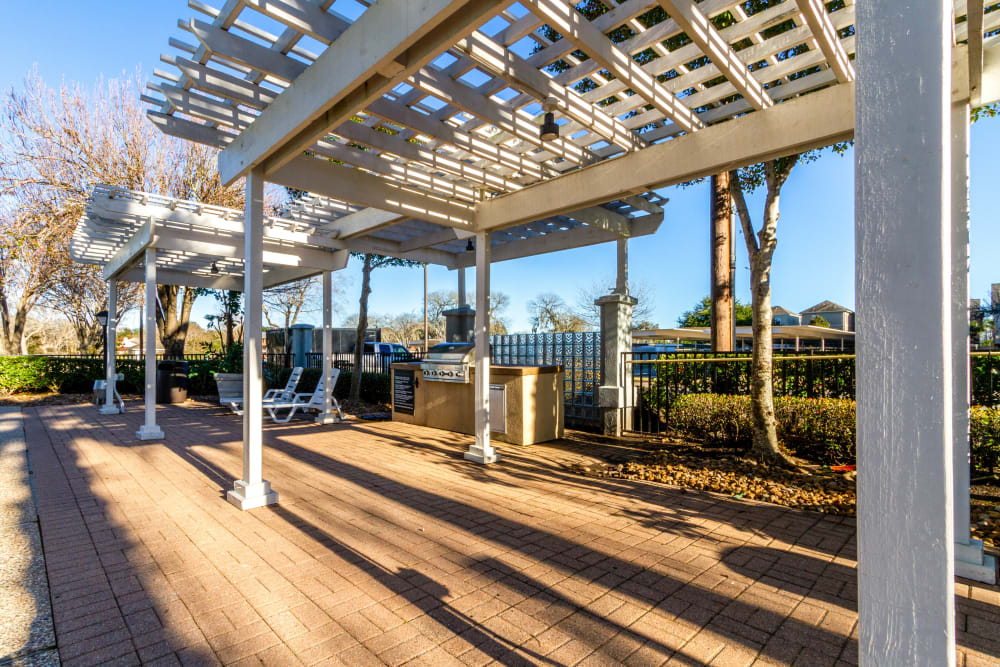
430	111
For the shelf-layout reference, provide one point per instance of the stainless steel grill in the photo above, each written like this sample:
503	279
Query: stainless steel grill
448	362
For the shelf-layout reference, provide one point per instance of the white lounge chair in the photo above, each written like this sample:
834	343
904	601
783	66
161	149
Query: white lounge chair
271	395
288	393
313	401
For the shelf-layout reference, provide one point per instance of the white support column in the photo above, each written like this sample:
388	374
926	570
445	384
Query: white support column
149	430
253	490
462	299
970	561
621	283
482	451
906	592
328	416
110	407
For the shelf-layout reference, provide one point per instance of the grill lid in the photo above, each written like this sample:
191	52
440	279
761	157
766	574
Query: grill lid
458	353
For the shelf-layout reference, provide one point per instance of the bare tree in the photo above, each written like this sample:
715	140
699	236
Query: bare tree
588	311
57	145
549	313
283	305
403	328
370	262
79	293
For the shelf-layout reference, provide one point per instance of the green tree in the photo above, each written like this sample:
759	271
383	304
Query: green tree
819	321
701	314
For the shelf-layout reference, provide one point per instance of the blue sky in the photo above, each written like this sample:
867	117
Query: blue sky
81	41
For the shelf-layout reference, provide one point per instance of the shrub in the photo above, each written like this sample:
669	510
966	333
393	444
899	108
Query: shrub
984	427
375	387
816	429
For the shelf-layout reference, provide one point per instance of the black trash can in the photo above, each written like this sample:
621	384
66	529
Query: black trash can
171	381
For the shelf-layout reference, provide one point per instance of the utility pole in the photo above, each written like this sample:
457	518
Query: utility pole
722	315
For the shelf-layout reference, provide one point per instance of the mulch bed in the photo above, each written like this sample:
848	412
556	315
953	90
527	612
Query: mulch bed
814	488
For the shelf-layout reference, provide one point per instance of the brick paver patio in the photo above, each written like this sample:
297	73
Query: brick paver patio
387	547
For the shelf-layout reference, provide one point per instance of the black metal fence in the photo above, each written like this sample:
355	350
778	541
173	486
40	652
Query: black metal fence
370	362
658	379
578	353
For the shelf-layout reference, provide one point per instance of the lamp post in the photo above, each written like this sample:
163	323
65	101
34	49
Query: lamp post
102	319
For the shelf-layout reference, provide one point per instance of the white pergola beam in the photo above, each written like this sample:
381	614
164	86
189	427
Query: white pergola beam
131	252
350	185
816	17
434	238
168	277
577	237
365	221
797	125
812	121
392	39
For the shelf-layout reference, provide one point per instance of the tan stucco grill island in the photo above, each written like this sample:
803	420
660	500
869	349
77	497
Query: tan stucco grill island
532	403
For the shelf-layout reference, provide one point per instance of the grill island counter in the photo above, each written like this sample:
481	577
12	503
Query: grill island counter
526	402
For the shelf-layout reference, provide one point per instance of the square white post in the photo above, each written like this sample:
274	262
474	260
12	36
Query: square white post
970	561
149	430
253	490
110	407
327	416
906	592
482	451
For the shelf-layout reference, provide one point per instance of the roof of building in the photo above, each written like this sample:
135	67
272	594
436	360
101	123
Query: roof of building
778	310
827	307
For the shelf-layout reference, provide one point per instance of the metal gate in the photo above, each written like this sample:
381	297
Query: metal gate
578	353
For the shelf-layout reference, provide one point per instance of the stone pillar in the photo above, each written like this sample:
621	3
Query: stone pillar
616	339
110	407
302	341
482	450
970	561
149	430
614	393
903	236
253	490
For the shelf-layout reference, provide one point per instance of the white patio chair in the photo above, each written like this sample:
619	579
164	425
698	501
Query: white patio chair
313	401
288	393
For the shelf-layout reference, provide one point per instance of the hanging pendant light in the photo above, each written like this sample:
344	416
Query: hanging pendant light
468	246
215	268
549	131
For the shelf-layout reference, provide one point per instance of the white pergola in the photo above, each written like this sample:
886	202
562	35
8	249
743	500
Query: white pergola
153	239
430	110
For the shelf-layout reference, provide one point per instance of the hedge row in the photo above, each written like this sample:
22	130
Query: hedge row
816	429
375	387
76	375
822	430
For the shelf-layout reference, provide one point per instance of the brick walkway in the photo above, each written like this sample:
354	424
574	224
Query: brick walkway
387	547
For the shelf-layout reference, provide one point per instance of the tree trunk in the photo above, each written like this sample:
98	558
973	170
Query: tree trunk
760	249
359	345
721	287
171	325
765	434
